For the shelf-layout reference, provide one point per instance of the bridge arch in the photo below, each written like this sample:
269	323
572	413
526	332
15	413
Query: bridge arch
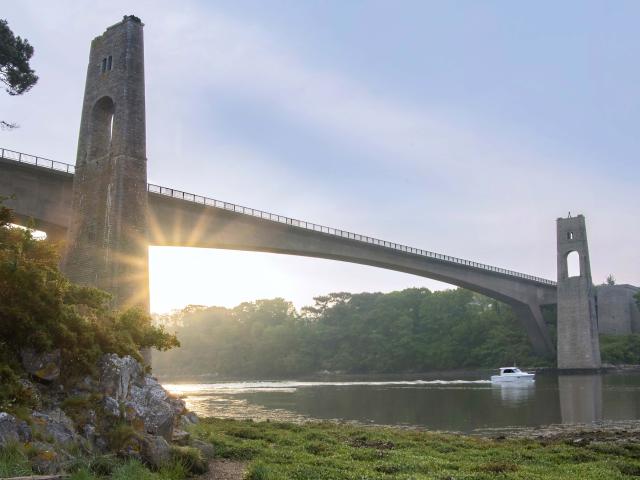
180	219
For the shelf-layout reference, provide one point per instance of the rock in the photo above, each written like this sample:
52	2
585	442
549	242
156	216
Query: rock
146	405
30	389
150	404
101	444
24	432
188	419
56	425
89	432
118	374
8	429
155	450
44	458
111	407
87	384
131	447
92	416
206	449
45	366
180	437
178	405
158	417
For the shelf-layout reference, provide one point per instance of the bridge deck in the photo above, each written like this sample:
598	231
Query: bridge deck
43	191
211	202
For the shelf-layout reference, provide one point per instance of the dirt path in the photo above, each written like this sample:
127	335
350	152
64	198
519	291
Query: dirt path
225	470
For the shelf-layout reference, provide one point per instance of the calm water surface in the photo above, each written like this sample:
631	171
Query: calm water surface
464	403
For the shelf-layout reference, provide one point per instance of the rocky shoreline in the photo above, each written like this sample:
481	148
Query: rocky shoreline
123	411
602	431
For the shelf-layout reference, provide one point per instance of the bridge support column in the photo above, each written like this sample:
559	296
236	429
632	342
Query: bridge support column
107	243
533	321
578	342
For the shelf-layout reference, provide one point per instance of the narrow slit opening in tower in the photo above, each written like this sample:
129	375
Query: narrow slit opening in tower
573	264
570	235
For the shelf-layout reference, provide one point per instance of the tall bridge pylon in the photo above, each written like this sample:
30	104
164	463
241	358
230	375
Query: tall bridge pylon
107	237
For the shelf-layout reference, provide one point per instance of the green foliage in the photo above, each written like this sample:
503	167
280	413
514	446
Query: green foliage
637	297
318	451
189	458
103	465
121	436
132	470
620	349
13	461
15	54
413	330
43	310
14	397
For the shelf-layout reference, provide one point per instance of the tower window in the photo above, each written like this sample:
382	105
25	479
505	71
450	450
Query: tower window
107	62
570	235
573	264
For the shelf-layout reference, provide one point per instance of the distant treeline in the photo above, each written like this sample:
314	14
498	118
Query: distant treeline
413	330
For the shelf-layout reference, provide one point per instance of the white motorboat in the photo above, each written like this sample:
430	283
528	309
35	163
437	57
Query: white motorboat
512	374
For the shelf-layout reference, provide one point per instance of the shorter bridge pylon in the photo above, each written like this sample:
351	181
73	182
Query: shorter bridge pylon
578	342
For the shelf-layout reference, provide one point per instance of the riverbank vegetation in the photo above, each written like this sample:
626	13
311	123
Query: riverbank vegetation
330	451
42	311
315	451
413	330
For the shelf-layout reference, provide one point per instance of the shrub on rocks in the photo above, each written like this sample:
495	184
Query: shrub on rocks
53	329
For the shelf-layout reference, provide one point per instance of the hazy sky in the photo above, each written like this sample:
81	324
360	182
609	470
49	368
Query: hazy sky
459	127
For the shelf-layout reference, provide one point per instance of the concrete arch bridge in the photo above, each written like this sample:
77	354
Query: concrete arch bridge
43	191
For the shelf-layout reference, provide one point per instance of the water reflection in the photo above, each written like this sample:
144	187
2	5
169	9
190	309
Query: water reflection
515	393
463	404
580	398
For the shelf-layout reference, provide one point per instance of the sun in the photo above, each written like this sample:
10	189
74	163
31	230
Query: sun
179	276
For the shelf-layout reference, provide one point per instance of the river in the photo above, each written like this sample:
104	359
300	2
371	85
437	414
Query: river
463	402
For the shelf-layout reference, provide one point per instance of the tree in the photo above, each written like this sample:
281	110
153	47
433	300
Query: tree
41	309
15	71
611	280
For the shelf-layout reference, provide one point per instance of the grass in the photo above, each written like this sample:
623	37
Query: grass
330	451
321	451
13	461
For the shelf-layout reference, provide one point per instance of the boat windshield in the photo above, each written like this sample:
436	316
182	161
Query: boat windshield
511	370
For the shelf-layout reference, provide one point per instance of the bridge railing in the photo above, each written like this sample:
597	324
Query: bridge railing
190	197
34	160
211	202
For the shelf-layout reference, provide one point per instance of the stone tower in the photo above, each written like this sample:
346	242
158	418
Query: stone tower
578	343
107	238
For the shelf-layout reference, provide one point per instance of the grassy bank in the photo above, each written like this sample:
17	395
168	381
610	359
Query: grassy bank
326	450
331	451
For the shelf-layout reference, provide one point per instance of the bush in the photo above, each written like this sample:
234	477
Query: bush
41	309
620	349
190	458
